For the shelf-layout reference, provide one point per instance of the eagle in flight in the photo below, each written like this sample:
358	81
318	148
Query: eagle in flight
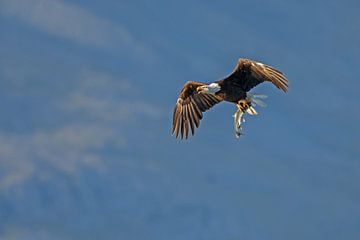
195	97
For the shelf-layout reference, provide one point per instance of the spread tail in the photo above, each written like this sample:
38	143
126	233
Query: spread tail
256	99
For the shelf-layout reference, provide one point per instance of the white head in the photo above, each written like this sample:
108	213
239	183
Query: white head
211	88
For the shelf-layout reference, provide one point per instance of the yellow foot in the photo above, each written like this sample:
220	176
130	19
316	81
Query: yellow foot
243	104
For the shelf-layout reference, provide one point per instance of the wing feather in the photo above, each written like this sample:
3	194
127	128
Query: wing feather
200	104
197	109
249	74
178	125
189	109
189	116
186	122
196	118
205	102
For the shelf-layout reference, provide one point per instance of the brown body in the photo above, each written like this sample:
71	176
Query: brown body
230	91
193	101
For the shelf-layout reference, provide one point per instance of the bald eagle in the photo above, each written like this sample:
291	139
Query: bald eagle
196	97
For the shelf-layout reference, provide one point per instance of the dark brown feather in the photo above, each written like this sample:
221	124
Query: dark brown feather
189	109
196	118
248	74
186	122
191	118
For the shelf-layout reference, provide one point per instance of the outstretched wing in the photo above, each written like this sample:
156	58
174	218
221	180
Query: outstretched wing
189	109
248	74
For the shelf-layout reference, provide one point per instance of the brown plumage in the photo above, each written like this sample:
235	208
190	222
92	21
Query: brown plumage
193	100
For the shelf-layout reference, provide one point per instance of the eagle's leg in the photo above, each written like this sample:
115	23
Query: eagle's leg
245	105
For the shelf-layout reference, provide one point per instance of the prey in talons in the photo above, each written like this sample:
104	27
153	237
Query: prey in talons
246	106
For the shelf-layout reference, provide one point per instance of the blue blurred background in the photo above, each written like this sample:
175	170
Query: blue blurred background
87	90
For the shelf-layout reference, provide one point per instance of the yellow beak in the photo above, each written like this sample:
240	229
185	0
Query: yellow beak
200	89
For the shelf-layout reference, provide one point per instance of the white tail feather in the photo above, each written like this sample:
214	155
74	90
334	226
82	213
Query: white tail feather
256	99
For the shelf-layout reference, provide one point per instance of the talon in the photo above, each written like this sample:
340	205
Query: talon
243	105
